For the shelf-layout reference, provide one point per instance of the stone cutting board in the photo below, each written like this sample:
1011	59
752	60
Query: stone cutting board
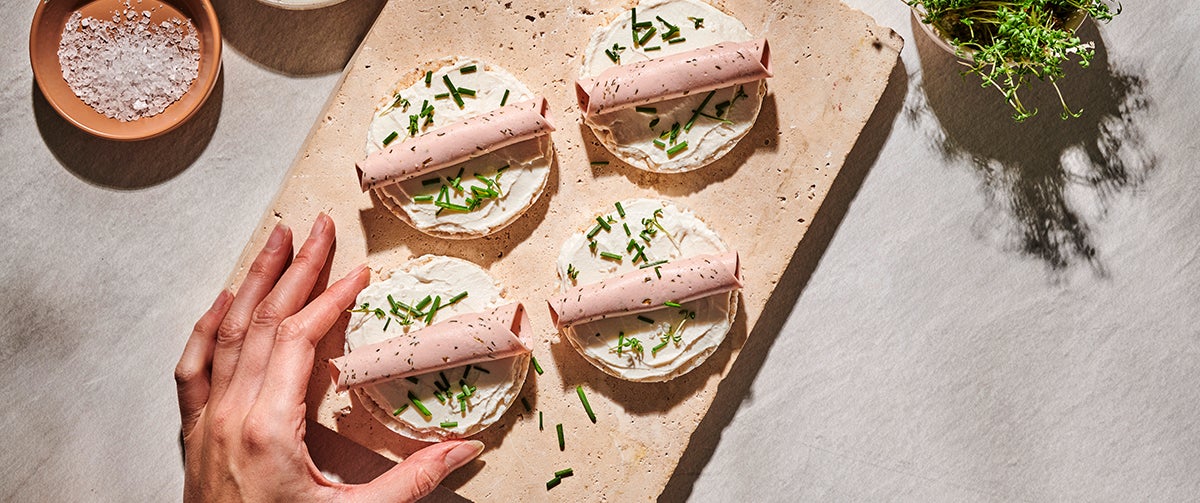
831	64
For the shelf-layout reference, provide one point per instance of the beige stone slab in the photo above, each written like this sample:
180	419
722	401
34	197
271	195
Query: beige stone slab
831	64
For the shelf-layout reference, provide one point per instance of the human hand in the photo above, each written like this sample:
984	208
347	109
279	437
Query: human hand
242	380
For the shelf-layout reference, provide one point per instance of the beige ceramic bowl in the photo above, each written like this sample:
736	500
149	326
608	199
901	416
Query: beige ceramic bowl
301	4
944	42
46	33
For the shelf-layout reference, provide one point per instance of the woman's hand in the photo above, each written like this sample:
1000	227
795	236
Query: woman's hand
242	380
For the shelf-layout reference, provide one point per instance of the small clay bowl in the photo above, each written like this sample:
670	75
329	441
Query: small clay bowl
300	4
45	35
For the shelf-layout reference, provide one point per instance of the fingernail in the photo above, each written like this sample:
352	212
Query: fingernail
222	300
275	242
463	453
357	270
320	224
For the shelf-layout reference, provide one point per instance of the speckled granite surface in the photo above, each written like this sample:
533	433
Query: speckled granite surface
1002	313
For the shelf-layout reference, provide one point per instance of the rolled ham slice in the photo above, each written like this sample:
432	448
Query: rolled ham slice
696	71
455	143
461	340
643	290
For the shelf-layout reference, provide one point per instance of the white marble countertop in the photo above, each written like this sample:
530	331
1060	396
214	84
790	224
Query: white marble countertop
1000	312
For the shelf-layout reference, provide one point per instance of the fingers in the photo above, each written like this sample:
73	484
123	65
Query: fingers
419	474
192	371
292	359
286	298
264	272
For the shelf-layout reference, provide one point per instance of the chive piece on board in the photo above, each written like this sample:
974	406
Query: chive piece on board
562	444
599	163
565	472
586	406
536	368
677	40
428	77
505	98
553	482
541	421
595	230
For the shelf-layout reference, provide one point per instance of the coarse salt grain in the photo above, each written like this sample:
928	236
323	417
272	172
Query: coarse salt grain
128	68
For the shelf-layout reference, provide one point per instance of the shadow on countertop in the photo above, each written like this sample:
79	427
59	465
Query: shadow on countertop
131	165
736	386
1048	177
297	42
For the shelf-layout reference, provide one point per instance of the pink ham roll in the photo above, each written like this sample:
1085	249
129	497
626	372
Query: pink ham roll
682	280
455	143
696	71
461	340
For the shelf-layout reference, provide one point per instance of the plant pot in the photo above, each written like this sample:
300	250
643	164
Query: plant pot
1073	23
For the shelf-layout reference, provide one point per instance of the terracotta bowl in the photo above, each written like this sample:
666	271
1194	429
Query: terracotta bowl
46	33
301	4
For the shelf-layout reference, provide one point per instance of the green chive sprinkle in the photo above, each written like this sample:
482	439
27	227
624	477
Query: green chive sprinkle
653	122
449	424
660	345
610	255
401	409
626	226
445	382
599	163
437	303
462	406
677	40
698	22
562	444
553	482
457	298
604	223
566	472
525	402
646	110
676	149
413	380
466	371
643	25
659	144
441	96
423	199
586	406
467	69
390	138
646	37
595	230
505	98
438	394
417	403
672	304
645	319
696	113
658	271
541	422
536	368
633	27
612	56
466	91
655	48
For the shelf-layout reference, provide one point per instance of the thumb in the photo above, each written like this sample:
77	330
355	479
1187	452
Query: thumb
419	474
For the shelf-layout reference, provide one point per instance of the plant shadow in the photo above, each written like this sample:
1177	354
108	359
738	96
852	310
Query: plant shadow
297	42
1051	178
128	165
736	387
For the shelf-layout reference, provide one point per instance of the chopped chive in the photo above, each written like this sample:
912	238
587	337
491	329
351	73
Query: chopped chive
676	149
610	255
453	90
423	199
431	181
626	226
525	402
646	110
613	56
653	122
674	134
462	405
428	77
457	298
437	302
599	163
620	210
413	127
660	345
390	138
586	406
445	382
536	368
443	197
604	223
386	323
562	444
672	304
553	482
438	394
417	403
467	69
698	22
541	421
665	23
655	48
718	119
677	40
449	424
633	24
452	206
466	91
441	96
413	380
645	319
466	371
505	98
595	230
660	144
565	472
643	25
592	244
696	113
646	37
658	271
